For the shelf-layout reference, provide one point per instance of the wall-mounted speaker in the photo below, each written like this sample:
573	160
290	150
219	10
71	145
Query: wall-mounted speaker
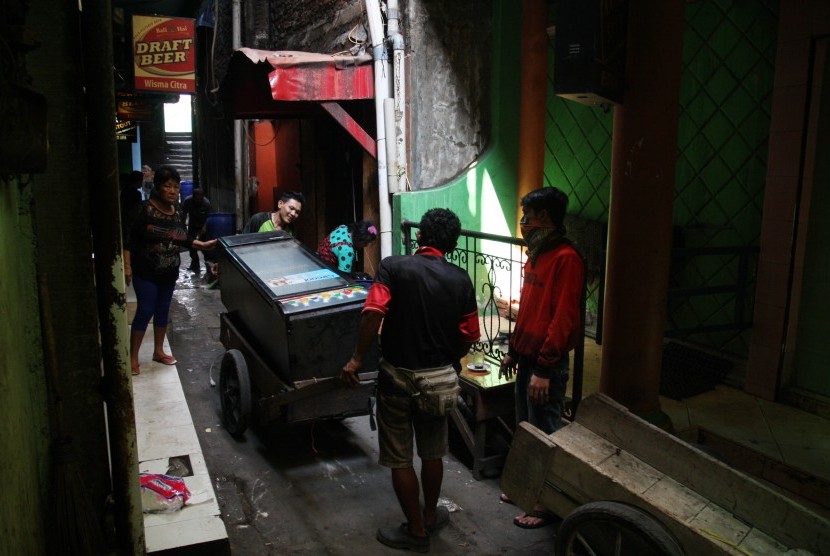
589	50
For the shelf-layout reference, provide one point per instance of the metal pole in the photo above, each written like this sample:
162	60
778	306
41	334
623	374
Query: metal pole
382	76
240	183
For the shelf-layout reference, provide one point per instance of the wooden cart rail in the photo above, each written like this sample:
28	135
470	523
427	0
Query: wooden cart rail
610	454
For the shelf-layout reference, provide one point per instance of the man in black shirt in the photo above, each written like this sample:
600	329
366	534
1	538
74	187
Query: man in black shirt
430	320
196	209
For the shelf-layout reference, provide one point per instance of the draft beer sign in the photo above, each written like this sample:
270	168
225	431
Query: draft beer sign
164	54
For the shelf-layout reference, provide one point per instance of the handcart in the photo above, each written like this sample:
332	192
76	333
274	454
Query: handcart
624	486
291	324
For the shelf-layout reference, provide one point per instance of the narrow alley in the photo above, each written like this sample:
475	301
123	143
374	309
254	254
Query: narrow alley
317	489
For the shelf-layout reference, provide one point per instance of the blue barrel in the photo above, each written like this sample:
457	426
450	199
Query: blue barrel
220	224
186	189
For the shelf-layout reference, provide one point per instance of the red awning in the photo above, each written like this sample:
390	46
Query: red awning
256	78
273	84
310	76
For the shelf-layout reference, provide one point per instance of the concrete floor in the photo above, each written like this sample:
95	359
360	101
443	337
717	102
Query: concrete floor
318	489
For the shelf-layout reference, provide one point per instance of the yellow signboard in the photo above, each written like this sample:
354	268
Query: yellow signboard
164	54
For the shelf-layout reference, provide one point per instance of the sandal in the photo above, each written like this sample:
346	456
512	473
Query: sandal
136	369
545	519
165	359
506	499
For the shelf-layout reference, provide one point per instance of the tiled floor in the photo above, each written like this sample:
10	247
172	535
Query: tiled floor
165	430
780	432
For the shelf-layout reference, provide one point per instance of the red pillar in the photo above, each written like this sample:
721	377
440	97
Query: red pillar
643	156
534	49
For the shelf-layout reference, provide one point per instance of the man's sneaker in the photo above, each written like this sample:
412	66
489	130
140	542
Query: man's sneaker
400	537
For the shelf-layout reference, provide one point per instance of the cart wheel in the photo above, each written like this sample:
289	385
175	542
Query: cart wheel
614	529
235	392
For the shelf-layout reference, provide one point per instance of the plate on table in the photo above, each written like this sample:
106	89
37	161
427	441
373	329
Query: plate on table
480	368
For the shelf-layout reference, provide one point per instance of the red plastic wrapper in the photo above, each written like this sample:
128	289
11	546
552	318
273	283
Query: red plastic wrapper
162	493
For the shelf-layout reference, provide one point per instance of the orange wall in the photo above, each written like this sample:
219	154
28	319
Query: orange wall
276	160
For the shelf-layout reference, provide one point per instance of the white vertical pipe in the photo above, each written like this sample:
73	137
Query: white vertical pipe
396	40
391	151
382	75
238	181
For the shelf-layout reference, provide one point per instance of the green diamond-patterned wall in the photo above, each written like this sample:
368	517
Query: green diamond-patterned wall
726	87
578	161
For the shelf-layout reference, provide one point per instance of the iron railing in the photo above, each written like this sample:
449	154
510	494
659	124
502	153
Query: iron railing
495	265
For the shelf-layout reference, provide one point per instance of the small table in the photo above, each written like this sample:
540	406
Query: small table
490	398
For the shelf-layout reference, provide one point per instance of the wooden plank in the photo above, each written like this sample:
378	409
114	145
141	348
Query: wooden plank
720	524
351	126
527	464
583	443
676	499
782	518
630	472
758	542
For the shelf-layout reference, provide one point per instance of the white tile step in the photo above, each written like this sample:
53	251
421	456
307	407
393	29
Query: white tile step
165	430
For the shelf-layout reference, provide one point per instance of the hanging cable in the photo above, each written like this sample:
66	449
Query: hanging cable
275	125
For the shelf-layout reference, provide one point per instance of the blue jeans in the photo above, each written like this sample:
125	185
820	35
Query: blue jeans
153	299
546	416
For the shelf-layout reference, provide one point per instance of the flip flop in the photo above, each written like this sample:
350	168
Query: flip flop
506	499
165	359
136	369
442	518
545	517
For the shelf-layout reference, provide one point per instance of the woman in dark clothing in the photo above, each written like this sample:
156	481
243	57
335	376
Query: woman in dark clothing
130	194
154	238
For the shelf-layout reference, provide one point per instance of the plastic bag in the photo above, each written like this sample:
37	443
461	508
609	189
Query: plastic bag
162	493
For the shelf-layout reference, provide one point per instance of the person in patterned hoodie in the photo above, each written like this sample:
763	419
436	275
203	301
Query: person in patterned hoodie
339	248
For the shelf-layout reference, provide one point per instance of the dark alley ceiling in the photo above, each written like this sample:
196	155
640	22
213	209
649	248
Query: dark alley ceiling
174	8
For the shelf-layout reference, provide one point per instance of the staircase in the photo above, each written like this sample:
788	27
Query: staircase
178	153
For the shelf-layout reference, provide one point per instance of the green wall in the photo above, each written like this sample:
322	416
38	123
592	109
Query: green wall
726	88
484	195
23	421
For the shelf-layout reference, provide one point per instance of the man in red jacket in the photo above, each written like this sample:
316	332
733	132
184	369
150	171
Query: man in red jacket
548	323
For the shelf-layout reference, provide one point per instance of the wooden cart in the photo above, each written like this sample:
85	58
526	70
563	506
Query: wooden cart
291	323
250	390
624	486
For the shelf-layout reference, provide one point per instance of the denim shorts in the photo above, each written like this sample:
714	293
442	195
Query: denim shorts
400	422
